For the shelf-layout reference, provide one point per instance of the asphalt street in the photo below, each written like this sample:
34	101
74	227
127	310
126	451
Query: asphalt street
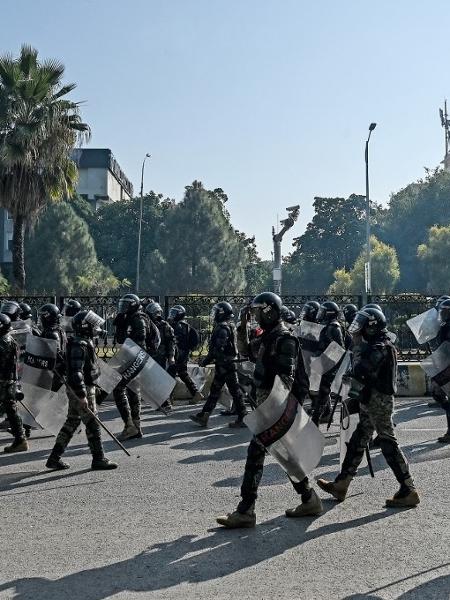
148	531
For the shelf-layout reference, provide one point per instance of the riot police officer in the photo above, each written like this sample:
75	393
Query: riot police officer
187	339
223	352
277	356
72	307
26	314
132	322
49	317
165	354
438	393
9	354
82	373
374	377
288	317
328	316
12	310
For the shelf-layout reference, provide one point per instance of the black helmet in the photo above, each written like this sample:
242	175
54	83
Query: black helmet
444	311
288	316
12	309
72	307
372	305
349	311
309	311
5	324
222	311
440	300
328	311
154	310
25	311
49	315
368	322
86	323
129	304
267	309
177	312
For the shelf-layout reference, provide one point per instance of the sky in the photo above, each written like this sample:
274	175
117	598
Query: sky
268	99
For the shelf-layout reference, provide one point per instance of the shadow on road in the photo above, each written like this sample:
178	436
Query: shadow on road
186	559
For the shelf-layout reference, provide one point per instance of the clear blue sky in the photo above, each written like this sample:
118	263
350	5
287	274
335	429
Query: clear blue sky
268	99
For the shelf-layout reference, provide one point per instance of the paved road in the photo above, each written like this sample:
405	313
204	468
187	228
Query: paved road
148	530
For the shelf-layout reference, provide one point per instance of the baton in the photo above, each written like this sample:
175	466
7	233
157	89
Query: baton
89	411
333	410
27	410
369	461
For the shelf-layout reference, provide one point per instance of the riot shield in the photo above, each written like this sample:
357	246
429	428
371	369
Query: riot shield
109	377
348	425
282	426
48	408
39	361
309	336
324	363
198	375
142	374
425	326
437	366
20	331
225	398
344	368
66	324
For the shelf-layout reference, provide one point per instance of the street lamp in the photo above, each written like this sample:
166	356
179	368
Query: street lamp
293	213
138	261
368	274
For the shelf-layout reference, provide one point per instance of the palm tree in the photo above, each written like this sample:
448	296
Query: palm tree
38	129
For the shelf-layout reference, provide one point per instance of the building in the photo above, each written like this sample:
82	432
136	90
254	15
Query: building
100	180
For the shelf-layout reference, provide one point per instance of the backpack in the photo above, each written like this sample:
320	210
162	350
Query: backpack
193	338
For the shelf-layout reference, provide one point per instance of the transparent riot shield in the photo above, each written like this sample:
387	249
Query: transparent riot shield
142	374
48	408
324	363
282	426
198	375
437	366
66	324
39	362
309	336
109	377
425	326
344	367
225	398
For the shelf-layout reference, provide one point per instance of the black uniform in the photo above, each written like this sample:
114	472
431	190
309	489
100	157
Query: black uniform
9	355
438	393
55	332
166	350
82	372
223	352
183	336
321	402
139	328
277	356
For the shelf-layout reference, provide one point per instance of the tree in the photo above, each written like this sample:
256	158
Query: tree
38	128
203	251
406	223
114	228
331	241
385	272
61	255
434	259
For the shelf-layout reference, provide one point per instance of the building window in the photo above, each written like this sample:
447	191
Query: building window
8	216
10	245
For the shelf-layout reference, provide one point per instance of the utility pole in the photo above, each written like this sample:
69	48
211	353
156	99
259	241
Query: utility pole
141	207
446	126
293	213
368	266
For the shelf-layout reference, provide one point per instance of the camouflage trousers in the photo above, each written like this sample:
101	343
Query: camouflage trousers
128	404
225	374
8	401
375	414
75	416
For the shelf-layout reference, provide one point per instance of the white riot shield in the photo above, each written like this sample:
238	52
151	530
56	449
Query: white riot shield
142	374
39	362
437	366
344	367
425	326
282	426
48	408
309	336
324	363
20	331
348	425
109	377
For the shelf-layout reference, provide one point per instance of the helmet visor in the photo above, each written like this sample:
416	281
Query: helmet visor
124	305
358	323
94	320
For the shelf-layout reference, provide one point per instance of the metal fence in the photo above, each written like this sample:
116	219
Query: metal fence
397	307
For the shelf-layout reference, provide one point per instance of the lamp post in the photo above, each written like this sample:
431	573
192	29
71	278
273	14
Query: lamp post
293	213
138	261
368	274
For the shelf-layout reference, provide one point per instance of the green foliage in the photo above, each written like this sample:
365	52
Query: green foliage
38	129
61	255
258	276
385	272
331	241
411	213
434	258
